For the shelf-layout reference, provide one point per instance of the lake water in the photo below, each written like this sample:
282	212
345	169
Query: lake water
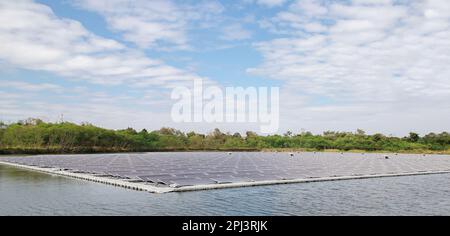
29	193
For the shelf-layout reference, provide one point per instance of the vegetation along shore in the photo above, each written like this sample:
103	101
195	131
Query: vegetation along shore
33	136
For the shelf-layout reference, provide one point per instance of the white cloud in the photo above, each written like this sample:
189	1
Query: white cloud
63	46
361	57
235	32
31	87
157	24
271	3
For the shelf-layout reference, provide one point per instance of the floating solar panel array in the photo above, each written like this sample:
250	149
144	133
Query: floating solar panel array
209	168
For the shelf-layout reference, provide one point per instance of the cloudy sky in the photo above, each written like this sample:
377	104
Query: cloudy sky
378	65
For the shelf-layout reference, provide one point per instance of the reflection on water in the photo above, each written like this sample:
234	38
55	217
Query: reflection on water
29	193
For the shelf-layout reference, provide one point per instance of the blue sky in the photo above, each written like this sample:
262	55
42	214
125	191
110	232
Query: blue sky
340	65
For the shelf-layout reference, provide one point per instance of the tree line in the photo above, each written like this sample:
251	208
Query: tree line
36	136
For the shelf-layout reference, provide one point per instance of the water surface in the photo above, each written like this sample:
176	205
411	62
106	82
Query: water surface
30	193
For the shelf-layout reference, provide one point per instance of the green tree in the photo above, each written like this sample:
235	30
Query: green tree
414	137
35	134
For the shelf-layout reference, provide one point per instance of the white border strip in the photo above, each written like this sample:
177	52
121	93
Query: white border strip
307	180
155	189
